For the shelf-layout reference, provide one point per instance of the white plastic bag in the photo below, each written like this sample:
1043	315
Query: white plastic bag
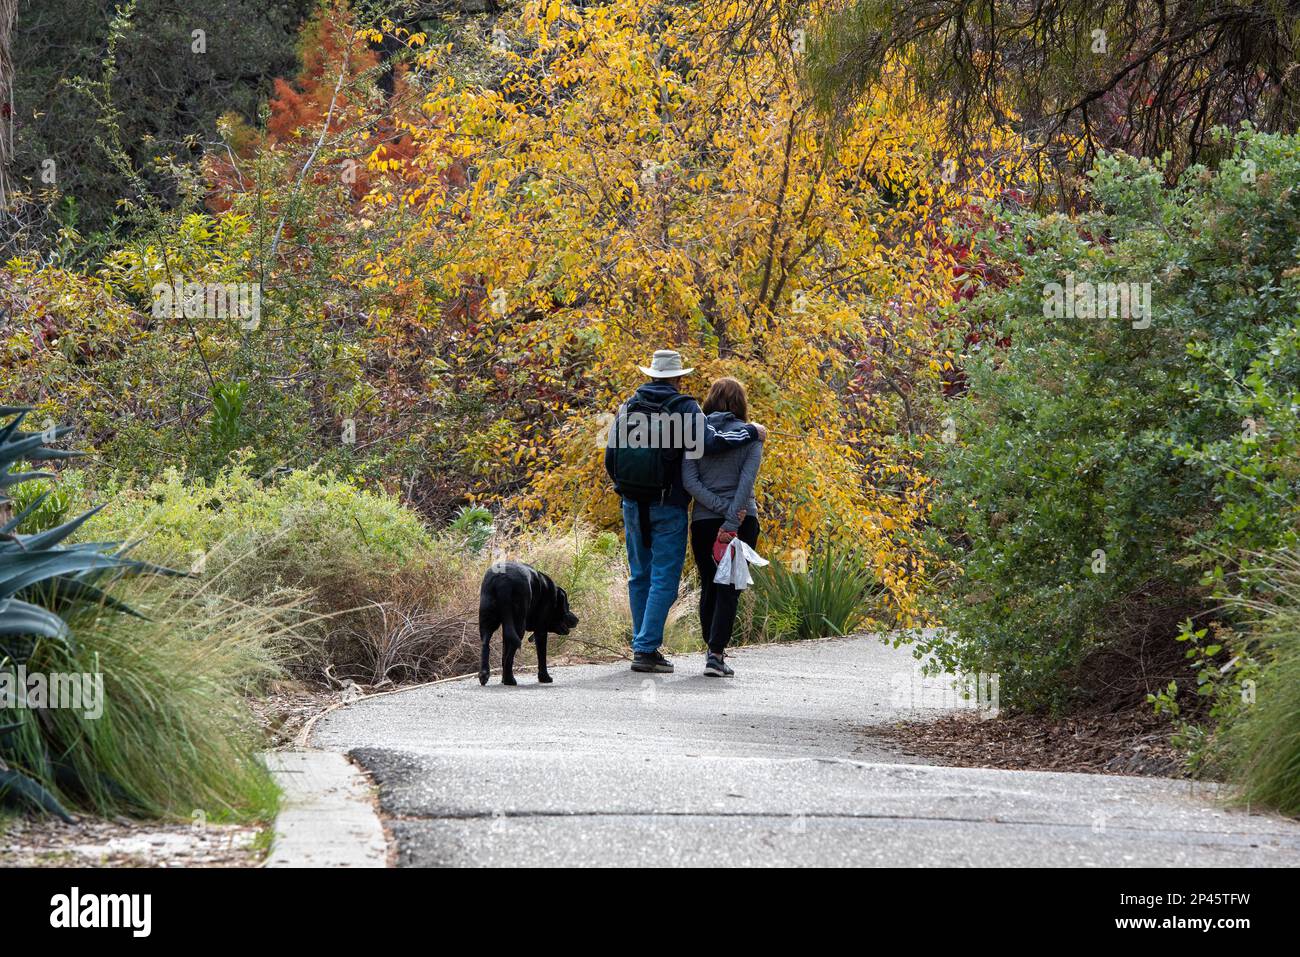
733	570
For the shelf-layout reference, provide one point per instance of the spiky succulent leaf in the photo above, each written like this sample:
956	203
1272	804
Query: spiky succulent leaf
19	617
15	784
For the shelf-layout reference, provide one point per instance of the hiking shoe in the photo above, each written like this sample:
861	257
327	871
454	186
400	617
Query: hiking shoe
653	662
715	666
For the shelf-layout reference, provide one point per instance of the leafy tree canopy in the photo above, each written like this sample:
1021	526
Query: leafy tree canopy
1075	75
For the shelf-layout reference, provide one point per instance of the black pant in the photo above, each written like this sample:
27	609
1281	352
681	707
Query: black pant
717	602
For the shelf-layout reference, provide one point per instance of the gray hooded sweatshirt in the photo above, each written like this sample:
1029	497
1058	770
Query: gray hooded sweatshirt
723	483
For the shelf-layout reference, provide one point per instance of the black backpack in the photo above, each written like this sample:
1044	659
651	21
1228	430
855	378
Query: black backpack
643	469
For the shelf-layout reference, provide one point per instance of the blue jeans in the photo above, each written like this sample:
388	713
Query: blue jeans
656	571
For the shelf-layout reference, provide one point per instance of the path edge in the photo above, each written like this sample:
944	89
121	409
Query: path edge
327	815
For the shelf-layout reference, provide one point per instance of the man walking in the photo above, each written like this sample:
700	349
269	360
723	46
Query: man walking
654	431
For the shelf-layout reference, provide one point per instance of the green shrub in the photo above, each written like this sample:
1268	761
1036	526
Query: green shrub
472	527
237	523
226	427
384	600
1103	486
61	497
832	597
345	548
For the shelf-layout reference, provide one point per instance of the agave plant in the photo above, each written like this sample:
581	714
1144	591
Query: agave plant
40	576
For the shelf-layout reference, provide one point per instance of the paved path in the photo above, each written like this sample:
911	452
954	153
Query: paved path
776	766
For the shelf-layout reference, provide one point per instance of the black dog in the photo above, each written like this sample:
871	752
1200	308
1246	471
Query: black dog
516	598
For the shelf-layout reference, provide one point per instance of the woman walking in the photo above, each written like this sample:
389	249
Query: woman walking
723	488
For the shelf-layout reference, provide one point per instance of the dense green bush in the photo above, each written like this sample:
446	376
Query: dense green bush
46	503
238	523
473	526
1108	477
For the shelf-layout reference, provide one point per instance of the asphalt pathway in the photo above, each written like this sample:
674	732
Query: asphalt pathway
776	766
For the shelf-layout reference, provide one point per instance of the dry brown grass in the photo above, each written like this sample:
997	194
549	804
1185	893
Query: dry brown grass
418	621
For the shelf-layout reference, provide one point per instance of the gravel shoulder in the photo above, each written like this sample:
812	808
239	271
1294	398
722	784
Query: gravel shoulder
94	842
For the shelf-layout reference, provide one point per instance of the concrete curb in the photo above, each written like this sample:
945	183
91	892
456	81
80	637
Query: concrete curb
328	818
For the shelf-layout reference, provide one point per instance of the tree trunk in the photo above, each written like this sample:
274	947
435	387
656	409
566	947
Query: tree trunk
8	14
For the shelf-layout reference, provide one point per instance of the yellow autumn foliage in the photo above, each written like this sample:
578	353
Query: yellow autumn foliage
654	176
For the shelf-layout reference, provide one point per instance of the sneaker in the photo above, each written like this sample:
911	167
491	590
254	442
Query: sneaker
653	662
715	666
